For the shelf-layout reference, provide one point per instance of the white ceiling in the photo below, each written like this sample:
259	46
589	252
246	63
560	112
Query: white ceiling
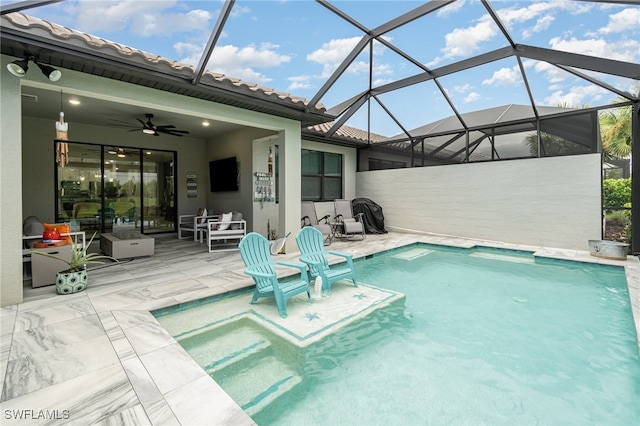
92	111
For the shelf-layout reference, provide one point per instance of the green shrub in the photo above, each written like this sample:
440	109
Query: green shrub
616	192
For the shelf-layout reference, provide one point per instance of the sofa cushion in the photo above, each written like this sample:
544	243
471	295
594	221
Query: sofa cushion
224	221
235	216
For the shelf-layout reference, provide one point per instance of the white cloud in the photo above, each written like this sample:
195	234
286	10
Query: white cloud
142	18
623	21
542	24
623	50
300	82
465	41
451	8
503	77
333	52
472	97
462	89
236	62
552	73
576	96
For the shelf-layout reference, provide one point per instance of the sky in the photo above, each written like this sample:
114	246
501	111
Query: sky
294	46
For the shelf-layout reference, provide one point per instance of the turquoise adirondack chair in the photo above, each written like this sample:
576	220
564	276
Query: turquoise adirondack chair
255	253
310	243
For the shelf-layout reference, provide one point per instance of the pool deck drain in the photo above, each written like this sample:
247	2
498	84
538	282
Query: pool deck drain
307	321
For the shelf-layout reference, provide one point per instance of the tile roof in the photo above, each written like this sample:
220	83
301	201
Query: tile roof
76	39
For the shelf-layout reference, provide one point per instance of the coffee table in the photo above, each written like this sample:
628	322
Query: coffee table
126	244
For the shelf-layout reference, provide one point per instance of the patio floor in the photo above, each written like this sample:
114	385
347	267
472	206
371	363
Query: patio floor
100	357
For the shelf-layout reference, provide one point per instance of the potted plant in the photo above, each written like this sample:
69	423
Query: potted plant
74	279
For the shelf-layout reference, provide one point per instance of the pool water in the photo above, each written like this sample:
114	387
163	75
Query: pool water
484	336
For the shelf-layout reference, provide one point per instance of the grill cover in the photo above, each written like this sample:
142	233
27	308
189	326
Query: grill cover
373	217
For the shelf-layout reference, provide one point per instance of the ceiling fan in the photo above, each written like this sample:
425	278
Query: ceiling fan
151	129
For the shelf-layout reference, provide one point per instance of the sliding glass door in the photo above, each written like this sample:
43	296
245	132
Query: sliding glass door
116	189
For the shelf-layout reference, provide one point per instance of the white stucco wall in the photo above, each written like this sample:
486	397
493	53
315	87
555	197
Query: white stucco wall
10	189
554	202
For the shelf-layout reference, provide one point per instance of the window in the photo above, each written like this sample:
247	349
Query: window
321	176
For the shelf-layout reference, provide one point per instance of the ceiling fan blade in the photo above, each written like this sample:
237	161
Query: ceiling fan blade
166	126
141	122
173	132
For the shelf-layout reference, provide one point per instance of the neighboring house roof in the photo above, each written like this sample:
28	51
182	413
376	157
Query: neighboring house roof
504	114
344	133
59	46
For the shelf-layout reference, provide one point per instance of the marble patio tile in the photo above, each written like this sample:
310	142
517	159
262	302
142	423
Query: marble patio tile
171	367
42	369
111	287
55	336
175	287
130	416
130	299
191	263
160	413
7	322
200	294
54	300
119	341
146	389
130	318
224	278
164	278
88	399
203	402
8	311
148	337
114	274
59	312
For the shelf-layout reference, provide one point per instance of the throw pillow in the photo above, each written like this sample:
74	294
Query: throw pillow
224	221
63	228
32	226
201	212
235	216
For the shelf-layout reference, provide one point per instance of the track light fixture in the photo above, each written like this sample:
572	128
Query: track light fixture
20	67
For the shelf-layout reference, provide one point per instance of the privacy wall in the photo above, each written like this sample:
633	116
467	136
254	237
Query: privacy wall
553	202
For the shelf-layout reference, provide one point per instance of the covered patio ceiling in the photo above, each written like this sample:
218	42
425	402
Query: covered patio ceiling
426	90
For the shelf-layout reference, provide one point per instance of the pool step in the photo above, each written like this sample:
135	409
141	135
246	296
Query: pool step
217	348
256	387
412	254
514	258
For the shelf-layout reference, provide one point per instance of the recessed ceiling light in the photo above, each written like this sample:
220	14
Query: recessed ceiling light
74	101
205	123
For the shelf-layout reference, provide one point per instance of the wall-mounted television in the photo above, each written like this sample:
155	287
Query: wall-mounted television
223	175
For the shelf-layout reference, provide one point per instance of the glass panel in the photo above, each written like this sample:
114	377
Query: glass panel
311	162
332	188
332	164
79	189
158	212
311	189
121	189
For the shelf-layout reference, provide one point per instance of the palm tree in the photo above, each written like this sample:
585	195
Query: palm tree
616	132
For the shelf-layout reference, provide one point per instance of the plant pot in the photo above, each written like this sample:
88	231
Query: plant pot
69	282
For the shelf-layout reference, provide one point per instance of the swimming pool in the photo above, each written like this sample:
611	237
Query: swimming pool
483	336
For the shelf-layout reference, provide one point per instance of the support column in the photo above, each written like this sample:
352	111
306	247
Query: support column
290	187
11	184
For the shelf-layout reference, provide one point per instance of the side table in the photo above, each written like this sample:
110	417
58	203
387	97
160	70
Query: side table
44	269
127	244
